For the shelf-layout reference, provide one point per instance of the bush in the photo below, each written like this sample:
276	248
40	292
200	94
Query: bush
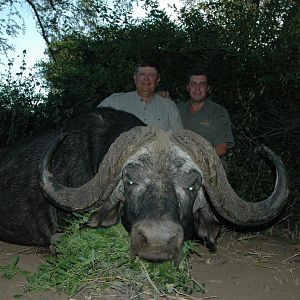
20	104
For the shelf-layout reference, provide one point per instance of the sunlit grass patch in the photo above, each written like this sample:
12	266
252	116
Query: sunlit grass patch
100	258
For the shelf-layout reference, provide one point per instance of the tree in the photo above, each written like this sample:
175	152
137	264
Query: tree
56	18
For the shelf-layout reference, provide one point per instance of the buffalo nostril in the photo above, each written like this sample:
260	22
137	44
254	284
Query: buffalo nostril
172	240
142	237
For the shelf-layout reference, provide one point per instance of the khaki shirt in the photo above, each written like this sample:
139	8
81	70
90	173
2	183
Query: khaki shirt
159	112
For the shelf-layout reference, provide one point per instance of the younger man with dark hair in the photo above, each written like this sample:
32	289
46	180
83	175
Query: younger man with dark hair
204	116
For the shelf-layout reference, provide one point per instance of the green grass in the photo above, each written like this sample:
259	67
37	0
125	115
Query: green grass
10	270
101	258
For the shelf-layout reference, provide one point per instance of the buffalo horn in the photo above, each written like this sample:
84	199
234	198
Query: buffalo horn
222	196
96	191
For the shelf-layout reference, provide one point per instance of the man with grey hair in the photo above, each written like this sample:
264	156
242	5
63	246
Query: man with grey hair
145	103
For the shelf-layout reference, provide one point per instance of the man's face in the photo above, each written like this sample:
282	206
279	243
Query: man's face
146	80
198	88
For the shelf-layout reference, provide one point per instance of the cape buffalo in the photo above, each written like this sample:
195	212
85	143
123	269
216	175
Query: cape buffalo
25	215
165	186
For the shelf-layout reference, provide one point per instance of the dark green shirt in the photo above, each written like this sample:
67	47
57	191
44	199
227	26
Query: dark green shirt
212	122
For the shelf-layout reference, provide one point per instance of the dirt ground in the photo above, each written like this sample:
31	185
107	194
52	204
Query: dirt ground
245	267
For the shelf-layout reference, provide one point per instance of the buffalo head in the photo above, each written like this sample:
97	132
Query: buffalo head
166	187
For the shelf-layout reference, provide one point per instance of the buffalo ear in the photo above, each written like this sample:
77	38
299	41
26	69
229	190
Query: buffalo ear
107	215
206	224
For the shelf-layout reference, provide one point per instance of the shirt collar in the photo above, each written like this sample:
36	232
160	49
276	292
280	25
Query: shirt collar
141	98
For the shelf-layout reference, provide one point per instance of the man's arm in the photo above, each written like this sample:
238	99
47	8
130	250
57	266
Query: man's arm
224	139
174	117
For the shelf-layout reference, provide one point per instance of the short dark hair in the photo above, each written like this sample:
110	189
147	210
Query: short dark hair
147	63
196	71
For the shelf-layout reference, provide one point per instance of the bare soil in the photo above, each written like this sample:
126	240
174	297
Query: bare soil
245	267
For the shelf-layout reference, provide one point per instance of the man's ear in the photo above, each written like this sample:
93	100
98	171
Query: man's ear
158	81
209	90
134	78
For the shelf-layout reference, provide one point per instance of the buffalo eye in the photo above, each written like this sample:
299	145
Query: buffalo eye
192	188
127	178
194	183
131	174
129	181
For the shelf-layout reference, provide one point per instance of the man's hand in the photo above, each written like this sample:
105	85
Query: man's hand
164	94
221	149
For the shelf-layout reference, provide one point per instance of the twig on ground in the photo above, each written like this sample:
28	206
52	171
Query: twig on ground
25	250
261	255
243	238
149	279
200	285
191	297
267	267
281	220
293	256
137	296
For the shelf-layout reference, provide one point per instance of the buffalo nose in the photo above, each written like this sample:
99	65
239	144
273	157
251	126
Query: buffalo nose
157	237
157	240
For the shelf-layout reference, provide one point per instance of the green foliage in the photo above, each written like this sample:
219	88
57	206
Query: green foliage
101	257
56	19
253	56
10	270
89	68
9	26
20	104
